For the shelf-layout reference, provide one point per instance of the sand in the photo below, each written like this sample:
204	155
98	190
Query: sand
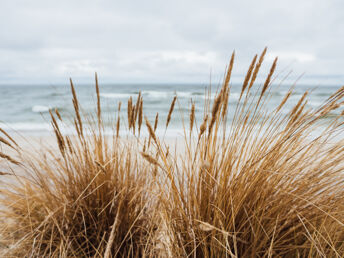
38	145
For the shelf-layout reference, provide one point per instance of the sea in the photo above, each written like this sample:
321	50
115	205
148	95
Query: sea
25	109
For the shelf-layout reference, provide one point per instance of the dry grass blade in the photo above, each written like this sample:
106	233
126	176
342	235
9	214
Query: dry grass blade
118	123
13	161
225	88
284	100
204	226
268	79
133	121
144	146
192	117
58	114
137	106
70	145
99	111
5	174
229	71
4	141
171	111
225	101
140	115
156	121
107	253
214	111
151	131
248	76
58	134
8	136
129	110
150	159
256	69
100	166
79	126
203	127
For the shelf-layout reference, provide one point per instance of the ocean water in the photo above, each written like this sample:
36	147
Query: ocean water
25	108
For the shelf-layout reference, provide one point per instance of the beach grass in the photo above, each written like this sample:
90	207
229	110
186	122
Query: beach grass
256	186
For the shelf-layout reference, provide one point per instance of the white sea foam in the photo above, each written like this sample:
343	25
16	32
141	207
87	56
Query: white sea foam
184	94
167	94
40	109
150	94
115	95
158	94
206	96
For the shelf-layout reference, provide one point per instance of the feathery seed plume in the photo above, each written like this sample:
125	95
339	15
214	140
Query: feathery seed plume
171	110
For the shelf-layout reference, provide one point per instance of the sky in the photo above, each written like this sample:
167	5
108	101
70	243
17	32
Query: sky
135	41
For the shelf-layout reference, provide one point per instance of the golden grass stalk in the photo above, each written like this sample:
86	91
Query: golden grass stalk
69	144
226	88
107	253
229	71
99	112
268	79
203	127
214	111
4	174
156	121
118	123
132	119
284	100
171	111
4	141
137	106
59	137
192	117
140	115
256	69
8	136
8	158
58	114
150	159
79	126
248	76
151	131
129	110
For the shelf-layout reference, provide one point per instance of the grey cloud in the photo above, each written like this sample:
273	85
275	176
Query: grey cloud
165	40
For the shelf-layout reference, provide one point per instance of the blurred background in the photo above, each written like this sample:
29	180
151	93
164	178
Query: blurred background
161	48
167	41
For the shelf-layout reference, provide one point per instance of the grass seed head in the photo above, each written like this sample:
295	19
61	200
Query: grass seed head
192	116
171	111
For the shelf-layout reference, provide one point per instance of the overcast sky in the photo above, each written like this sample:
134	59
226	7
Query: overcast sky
44	41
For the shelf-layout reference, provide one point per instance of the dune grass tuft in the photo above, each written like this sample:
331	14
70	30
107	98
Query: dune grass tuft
91	198
257	186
